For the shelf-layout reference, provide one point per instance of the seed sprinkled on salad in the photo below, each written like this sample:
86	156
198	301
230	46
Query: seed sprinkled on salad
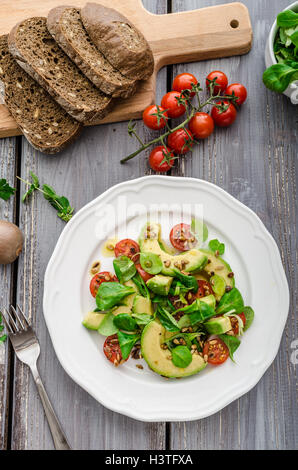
170	309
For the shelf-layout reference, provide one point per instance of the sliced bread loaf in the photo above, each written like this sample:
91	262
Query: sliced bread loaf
39	55
119	40
43	122
65	25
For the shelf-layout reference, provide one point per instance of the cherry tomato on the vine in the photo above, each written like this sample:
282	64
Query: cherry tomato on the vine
216	351
201	125
180	141
239	91
151	120
183	81
170	103
224	118
112	350
156	157
98	279
129	248
221	81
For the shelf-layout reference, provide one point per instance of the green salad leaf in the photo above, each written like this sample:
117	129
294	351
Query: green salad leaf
5	190
166	319
127	342
232	342
249	315
107	327
141	285
110	294
287	19
216	246
187	280
124	321
181	356
142	318
124	268
279	76
196	312
151	263
230	301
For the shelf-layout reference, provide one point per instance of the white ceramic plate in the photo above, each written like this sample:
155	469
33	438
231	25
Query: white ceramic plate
141	394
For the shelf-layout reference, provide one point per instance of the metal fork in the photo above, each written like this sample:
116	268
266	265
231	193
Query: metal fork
27	349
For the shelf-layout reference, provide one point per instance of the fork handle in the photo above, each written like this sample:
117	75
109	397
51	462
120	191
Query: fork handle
58	435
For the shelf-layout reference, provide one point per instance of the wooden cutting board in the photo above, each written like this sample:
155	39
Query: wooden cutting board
207	33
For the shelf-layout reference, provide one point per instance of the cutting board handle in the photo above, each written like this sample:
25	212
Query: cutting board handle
217	31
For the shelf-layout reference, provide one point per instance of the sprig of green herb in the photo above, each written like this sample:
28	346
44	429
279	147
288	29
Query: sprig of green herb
60	203
216	246
5	190
3	337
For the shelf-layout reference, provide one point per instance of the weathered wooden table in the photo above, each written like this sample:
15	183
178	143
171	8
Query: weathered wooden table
254	160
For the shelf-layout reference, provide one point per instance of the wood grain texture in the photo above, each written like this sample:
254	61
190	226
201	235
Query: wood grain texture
180	37
81	173
256	161
7	212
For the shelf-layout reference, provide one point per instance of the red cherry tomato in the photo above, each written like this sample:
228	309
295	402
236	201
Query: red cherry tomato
112	350
144	275
183	81
98	279
180	141
235	323
205	289
216	351
225	118
201	125
221	81
239	90
129	248
151	121
157	156
170	103
181	237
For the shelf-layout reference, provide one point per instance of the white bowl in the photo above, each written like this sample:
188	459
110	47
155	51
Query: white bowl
292	90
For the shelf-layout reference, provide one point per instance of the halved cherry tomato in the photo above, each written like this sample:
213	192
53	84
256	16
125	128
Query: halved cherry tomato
180	141
239	90
201	125
216	351
144	275
181	237
221	81
112	350
183	81
98	279
225	118
170	103
157	156
129	248
152	121
235	323
204	289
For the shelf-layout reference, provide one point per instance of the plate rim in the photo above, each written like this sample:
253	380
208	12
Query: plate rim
268	238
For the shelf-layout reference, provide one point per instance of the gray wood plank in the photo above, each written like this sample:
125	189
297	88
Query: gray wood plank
7	212
81	173
256	161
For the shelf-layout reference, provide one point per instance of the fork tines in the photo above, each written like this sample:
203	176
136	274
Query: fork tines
16	323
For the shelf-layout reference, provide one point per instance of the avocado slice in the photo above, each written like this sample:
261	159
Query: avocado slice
128	301
92	320
216	265
159	359
189	261
160	284
122	309
218	325
210	300
142	305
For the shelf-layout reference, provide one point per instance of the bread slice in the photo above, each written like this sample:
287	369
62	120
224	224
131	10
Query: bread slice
43	122
39	55
119	40
65	25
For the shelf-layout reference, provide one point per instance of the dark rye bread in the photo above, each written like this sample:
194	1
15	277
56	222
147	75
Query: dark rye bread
43	122
39	55
119	40
65	25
